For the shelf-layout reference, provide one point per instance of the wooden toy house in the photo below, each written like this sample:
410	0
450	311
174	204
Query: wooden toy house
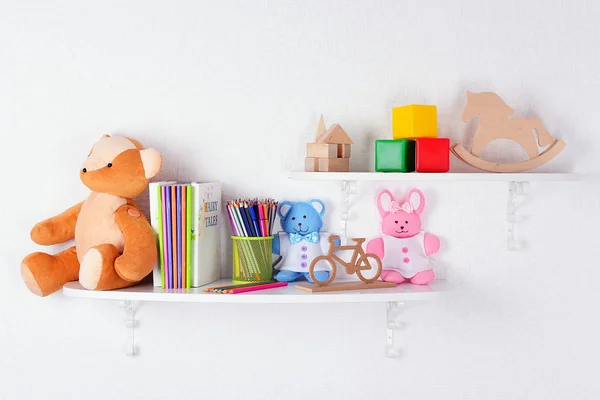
331	150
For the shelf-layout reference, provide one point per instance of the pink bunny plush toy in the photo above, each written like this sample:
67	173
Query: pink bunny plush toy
404	248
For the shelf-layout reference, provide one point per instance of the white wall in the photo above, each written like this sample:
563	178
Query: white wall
231	90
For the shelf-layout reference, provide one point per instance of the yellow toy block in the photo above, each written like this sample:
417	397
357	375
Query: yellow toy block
414	121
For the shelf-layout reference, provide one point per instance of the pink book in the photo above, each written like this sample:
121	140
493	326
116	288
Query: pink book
166	234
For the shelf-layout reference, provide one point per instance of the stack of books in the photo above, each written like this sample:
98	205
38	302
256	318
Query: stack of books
185	220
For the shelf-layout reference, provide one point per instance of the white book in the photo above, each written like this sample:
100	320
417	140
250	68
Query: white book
155	223
206	249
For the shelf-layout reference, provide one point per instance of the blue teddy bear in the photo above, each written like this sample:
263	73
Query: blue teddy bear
301	241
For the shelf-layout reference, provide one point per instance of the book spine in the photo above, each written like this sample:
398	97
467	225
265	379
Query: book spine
174	235
196	235
183	235
163	237
179	239
188	237
168	237
161	259
153	189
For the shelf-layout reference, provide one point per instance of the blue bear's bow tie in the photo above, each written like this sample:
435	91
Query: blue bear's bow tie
312	237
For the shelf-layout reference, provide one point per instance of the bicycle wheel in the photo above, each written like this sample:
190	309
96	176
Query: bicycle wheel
369	275
311	270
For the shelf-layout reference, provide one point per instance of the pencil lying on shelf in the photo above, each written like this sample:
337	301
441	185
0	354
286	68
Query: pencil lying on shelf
235	286
255	288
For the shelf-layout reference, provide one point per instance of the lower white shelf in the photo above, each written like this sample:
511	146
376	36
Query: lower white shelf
394	299
288	294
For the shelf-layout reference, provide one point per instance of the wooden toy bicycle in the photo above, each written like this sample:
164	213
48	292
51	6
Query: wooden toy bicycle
359	263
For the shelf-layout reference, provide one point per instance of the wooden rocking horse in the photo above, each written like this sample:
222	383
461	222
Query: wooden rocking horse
495	123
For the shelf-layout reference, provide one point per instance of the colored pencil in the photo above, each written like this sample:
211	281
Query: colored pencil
266	219
246	220
253	216
243	228
236	221
261	219
240	285
233	228
255	288
250	225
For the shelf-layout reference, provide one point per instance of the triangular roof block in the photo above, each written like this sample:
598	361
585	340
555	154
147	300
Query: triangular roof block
335	135
320	128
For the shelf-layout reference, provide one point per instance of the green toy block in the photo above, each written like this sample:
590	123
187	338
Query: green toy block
394	155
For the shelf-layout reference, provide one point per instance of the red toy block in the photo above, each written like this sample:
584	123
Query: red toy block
433	154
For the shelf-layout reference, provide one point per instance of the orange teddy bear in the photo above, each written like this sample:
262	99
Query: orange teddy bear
114	243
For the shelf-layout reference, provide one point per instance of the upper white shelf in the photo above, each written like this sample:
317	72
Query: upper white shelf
287	294
444	176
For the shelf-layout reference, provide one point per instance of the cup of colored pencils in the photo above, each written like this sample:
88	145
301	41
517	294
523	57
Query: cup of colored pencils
252	222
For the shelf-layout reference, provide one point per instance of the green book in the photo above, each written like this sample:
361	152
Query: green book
156	221
161	258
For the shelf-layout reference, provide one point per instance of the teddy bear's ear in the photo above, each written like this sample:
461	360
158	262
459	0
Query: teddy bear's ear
383	205
320	207
152	161
417	199
284	209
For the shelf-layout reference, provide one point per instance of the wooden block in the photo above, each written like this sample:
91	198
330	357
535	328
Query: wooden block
322	150
336	287
343	150
433	155
414	121
394	155
311	164
334	164
335	134
320	128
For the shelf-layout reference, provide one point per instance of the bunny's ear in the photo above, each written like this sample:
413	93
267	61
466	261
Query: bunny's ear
280	210
419	205
322	206
382	211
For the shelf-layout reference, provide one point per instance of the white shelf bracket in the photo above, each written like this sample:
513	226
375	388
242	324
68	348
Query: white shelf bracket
393	309
516	189
348	189
130	325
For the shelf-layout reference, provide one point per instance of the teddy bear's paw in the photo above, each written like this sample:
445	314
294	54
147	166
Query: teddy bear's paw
30	281
90	270
45	274
287	276
97	270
